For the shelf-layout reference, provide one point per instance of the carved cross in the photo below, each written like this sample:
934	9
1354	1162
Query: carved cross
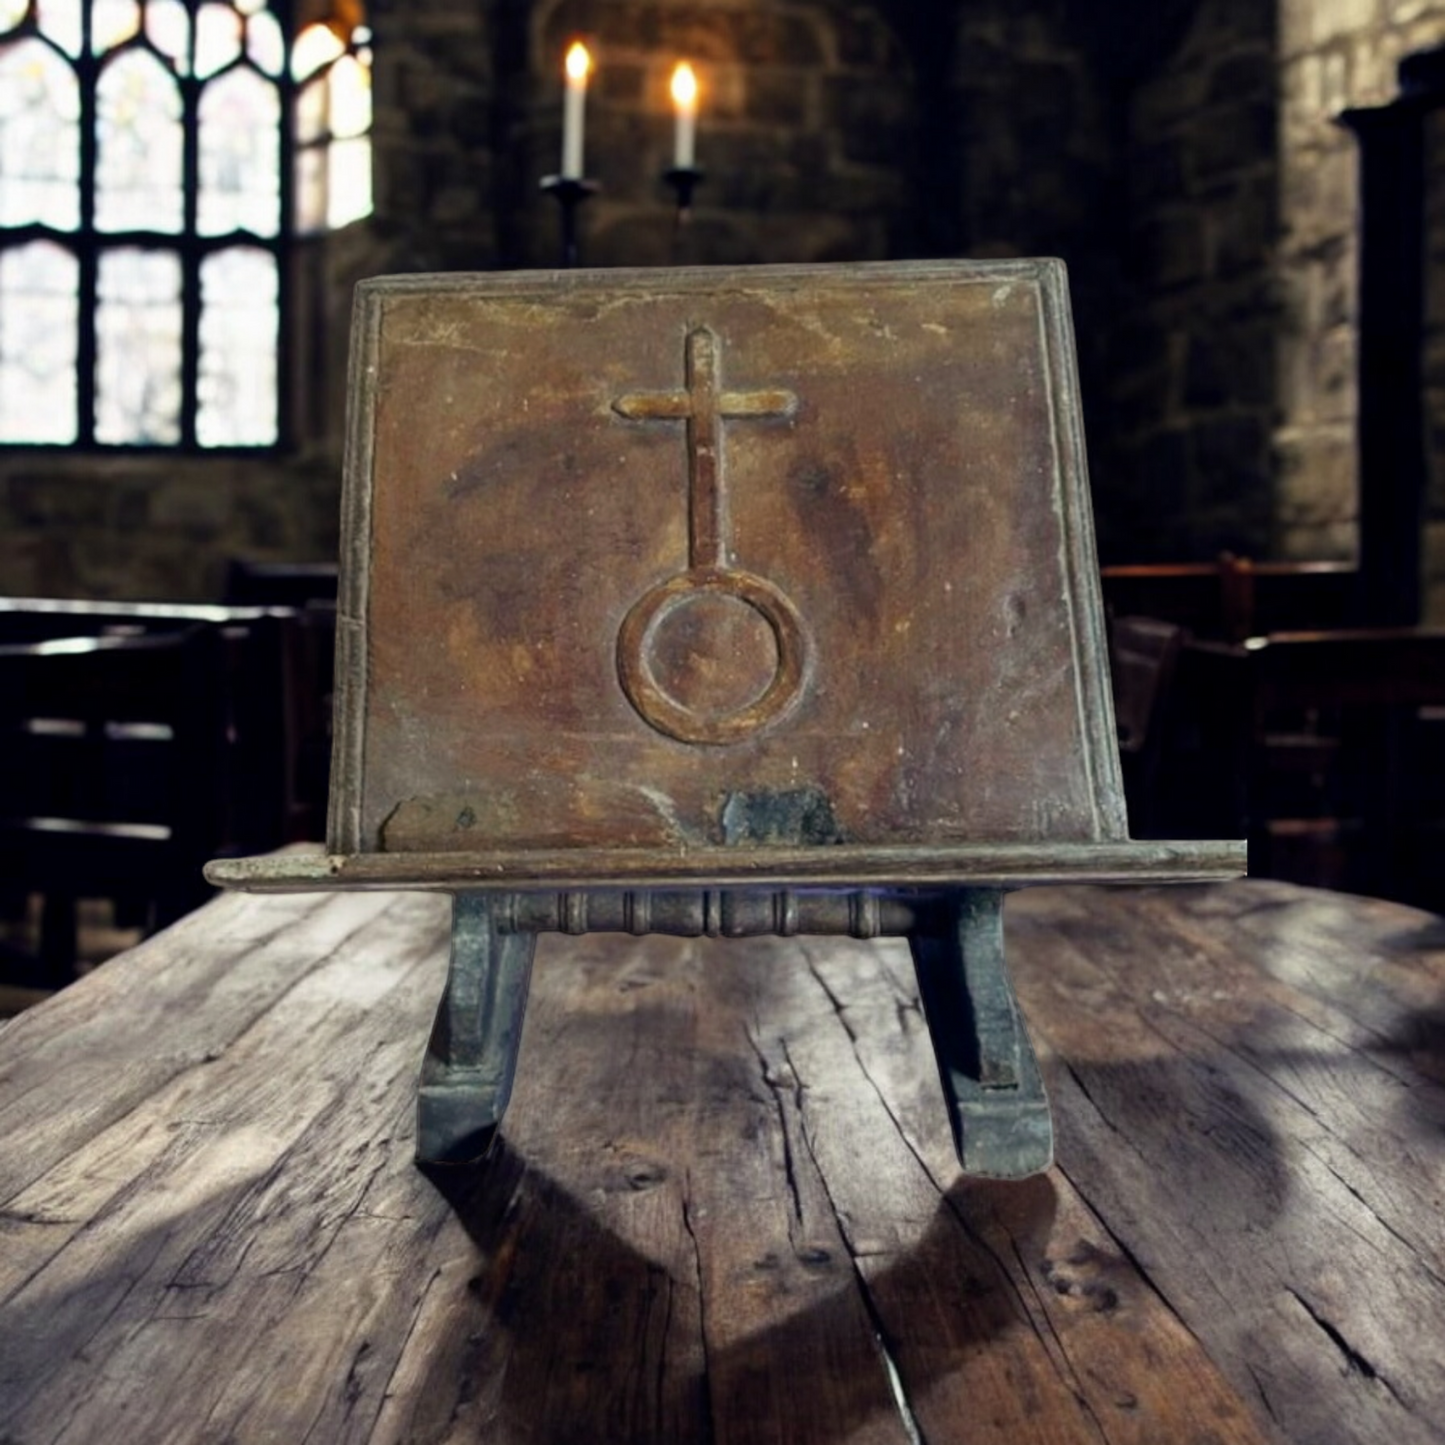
705	406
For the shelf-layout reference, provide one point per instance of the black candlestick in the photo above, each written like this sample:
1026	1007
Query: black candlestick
570	192
684	180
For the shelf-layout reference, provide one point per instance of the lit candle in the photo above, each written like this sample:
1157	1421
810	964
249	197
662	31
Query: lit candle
578	64
684	99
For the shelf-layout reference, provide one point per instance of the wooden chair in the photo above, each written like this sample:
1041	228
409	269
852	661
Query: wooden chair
1233	598
277	664
112	774
1312	742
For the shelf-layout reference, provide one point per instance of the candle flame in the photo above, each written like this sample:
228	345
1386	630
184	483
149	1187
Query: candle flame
579	62
684	86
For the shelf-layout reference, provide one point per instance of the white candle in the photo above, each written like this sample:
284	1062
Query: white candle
578	64
684	99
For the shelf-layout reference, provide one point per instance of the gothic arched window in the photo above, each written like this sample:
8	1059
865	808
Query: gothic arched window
160	161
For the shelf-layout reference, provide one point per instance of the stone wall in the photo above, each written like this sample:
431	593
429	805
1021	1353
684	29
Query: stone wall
1191	394
1139	142
1334	55
435	160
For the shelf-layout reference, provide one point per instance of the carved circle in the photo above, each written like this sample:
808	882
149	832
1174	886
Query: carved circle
684	719
712	653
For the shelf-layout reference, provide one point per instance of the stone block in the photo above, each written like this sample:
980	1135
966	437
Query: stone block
196	507
1316	478
1166	464
1246	75
452	204
621	84
1335	91
1432	574
1222	23
1172	98
777	39
1137	407
856	191
1168	249
1229	366
1232	138
757	171
873	123
1332	19
1335	359
1242	526
1328	542
1243	228
108	565
69	494
36	563
439	19
1296	28
1404	12
713	35
864	39
421	89
781	99
1156	172
130	506
469	119
644	236
1300	104
724	94
1320	197
1231	460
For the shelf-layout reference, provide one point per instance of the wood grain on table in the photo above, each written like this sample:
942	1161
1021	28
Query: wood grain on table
725	1207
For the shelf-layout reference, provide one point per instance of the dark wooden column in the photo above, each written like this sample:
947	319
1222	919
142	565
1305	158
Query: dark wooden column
1392	449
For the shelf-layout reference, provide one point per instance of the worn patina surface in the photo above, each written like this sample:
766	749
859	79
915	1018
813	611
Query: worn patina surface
640	546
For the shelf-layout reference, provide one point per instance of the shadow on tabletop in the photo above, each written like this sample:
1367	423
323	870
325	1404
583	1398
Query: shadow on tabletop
572	1333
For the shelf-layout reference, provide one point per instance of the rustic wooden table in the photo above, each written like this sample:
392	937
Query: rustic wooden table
725	1207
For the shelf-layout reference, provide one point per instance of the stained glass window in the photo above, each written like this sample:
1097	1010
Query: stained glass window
39	285
39	138
139	133
238	370
138	352
137	307
332	127
240	186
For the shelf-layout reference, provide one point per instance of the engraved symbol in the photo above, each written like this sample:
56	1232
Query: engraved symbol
763	675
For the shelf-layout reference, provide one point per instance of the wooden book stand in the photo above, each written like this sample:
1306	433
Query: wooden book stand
724	602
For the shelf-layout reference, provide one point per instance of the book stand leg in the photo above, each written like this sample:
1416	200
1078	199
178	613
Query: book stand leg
997	1108
471	1057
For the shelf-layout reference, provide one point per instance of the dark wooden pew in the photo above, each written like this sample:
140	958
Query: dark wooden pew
1233	597
1324	747
265	784
112	775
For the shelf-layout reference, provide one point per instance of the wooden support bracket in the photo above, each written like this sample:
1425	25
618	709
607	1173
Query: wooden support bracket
471	1057
997	1107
